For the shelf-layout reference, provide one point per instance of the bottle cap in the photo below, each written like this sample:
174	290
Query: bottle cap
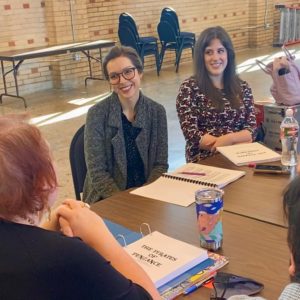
289	112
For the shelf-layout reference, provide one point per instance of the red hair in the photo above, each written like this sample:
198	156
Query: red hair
27	175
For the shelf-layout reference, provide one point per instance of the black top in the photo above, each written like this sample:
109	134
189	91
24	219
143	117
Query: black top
135	166
40	264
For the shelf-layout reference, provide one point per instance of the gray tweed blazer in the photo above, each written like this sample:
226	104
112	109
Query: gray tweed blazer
104	144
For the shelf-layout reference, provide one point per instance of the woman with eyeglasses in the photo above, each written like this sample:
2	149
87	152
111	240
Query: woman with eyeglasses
126	142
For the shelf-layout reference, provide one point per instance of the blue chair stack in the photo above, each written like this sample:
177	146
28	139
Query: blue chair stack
129	36
171	38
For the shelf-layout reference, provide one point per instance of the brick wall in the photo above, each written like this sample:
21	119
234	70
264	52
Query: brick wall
33	23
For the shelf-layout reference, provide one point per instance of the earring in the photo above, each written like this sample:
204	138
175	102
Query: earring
30	221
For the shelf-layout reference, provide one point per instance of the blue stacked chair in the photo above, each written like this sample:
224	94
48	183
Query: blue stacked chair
129	36
171	38
169	14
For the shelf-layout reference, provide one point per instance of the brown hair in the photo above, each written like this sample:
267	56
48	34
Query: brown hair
27	175
232	87
119	51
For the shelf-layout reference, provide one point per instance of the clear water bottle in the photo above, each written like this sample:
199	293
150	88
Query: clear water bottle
289	129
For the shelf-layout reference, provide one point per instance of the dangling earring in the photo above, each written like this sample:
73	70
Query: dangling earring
49	214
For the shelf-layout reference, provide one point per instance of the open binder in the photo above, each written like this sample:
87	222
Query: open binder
174	284
179	187
163	258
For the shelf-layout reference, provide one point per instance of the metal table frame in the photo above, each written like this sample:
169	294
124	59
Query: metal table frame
17	58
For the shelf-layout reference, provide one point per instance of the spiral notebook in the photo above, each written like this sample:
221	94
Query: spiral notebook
179	187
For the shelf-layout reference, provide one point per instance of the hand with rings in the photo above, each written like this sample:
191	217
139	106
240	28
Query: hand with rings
84	204
76	221
65	227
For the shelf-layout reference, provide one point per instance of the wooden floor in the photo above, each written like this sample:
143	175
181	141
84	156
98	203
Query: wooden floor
59	113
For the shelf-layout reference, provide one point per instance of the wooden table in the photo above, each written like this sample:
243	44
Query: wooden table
258	196
255	249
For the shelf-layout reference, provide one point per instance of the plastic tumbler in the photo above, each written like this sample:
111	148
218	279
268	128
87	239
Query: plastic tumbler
209	206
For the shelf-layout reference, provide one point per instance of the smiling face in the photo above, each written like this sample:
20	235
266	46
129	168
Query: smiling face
127	90
215	59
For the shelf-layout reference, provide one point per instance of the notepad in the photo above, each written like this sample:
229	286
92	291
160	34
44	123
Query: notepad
243	154
163	258
179	187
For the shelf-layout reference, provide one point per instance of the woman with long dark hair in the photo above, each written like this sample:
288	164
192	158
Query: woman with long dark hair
215	107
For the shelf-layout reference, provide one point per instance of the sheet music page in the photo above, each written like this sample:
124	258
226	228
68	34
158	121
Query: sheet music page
203	173
182	192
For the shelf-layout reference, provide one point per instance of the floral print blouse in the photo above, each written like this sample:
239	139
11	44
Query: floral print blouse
198	116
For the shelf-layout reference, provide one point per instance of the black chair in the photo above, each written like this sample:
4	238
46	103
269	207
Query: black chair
129	36
169	14
171	41
128	20
77	161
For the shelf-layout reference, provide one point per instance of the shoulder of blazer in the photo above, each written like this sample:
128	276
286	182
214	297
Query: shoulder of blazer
148	103
108	109
146	110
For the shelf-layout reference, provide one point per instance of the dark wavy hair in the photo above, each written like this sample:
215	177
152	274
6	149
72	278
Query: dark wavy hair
291	207
27	175
119	51
232	87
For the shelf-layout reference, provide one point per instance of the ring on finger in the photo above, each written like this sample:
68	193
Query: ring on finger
83	205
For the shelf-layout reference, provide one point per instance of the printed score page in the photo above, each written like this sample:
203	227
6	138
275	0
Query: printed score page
213	175
176	191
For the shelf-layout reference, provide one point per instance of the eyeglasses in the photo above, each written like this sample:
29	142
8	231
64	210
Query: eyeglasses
220	285
216	296
128	73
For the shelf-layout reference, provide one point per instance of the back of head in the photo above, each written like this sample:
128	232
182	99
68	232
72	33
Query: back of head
230	78
123	51
291	205
27	176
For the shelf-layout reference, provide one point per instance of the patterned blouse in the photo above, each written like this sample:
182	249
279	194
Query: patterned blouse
198	116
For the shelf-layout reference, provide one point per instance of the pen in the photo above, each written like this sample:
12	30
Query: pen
192	173
195	286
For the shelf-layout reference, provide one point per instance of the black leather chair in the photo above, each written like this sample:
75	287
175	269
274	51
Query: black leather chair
77	161
129	36
170	40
